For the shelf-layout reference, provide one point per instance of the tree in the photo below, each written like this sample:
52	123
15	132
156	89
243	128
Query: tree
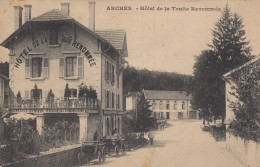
247	108
144	121
207	91
229	49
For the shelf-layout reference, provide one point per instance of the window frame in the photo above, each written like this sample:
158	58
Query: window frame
175	106
31	67
56	32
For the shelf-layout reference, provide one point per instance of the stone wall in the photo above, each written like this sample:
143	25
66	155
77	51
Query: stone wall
62	158
247	151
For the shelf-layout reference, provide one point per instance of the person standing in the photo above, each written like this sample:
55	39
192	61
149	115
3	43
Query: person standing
151	136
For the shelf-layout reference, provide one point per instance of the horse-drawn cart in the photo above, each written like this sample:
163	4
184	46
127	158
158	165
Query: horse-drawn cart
115	146
92	150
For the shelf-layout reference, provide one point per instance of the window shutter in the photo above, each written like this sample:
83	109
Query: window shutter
61	67
80	66
27	94
45	67
27	68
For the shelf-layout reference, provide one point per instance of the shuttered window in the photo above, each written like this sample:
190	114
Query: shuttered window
80	67
45	67
113	100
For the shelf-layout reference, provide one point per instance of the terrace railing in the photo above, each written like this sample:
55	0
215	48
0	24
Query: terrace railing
83	103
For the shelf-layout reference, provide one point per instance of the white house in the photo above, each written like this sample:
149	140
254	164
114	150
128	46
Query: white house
54	50
170	104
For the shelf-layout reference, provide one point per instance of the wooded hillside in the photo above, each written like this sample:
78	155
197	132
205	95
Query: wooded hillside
136	80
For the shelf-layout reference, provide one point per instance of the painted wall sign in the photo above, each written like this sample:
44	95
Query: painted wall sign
81	47
28	49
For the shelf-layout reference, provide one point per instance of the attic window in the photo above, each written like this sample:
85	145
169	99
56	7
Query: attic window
54	36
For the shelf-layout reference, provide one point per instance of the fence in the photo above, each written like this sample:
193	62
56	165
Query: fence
54	103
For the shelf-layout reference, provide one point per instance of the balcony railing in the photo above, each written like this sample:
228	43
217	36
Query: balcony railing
82	103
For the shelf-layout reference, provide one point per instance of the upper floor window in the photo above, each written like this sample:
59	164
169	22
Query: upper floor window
110	72
107	99
167	105
113	100
161	105
36	67
183	105
53	36
71	66
175	105
117	101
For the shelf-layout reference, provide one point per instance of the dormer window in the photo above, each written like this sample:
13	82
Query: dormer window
54	36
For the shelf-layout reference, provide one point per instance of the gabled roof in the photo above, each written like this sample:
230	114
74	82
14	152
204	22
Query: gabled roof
133	94
166	95
242	66
54	14
115	37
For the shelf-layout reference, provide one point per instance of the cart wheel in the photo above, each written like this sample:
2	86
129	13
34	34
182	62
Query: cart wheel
117	150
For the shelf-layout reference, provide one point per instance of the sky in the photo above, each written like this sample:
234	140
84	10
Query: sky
156	39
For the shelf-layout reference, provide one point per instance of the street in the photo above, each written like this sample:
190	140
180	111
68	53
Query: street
182	144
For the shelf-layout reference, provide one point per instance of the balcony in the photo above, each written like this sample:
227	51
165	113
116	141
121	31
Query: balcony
53	105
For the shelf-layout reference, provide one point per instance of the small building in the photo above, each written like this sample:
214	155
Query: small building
131	101
170	104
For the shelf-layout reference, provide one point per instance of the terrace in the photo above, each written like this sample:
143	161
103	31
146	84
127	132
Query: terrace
54	105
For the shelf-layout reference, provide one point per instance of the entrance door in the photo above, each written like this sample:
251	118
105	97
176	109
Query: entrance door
167	115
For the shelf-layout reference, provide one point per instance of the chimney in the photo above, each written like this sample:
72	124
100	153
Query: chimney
17	17
92	15
27	12
65	9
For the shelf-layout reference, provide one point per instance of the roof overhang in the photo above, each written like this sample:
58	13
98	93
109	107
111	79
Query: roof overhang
6	42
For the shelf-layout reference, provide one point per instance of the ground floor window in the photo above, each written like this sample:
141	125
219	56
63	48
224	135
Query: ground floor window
167	115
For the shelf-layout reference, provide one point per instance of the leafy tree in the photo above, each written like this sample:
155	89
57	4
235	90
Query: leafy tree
247	108
85	92
229	49
144	120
